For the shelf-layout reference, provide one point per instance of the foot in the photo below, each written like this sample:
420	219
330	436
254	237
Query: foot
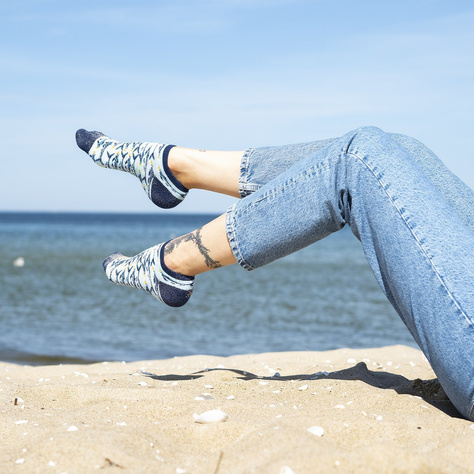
147	161
147	271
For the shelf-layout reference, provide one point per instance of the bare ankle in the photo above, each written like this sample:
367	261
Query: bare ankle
175	259
181	165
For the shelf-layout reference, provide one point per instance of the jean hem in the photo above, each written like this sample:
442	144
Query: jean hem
245	188
231	235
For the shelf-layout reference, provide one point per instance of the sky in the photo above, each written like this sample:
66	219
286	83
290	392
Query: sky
220	74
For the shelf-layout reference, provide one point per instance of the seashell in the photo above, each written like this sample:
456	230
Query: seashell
82	374
303	387
316	430
19	262
230	397
286	470
208	386
143	384
204	396
73	428
21	422
351	361
211	416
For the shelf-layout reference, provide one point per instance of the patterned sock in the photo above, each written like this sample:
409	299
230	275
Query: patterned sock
147	271
147	161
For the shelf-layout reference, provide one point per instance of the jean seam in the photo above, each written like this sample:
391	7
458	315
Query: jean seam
417	240
231	235
471	412
244	186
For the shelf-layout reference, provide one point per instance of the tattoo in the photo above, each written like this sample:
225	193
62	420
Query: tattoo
195	237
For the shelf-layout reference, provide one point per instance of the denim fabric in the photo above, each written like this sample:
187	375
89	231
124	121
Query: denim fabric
412	216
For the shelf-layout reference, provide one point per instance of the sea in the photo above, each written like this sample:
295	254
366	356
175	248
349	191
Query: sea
57	306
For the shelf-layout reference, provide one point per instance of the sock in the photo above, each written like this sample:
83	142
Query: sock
147	271
147	161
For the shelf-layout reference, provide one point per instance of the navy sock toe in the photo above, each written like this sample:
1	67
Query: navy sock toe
86	139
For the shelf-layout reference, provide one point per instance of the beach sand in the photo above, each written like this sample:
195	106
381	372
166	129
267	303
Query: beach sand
377	407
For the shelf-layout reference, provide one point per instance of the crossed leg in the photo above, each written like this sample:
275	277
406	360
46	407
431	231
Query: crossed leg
414	234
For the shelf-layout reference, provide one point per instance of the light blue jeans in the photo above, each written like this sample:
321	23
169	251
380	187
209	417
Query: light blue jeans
414	218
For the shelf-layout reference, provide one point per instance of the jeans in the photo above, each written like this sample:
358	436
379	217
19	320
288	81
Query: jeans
413	217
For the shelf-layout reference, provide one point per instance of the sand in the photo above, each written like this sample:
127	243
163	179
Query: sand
377	411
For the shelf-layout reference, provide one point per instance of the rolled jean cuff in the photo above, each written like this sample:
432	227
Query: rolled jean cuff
246	188
233	241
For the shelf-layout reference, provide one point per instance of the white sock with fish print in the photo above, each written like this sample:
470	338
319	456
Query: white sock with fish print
147	161
147	271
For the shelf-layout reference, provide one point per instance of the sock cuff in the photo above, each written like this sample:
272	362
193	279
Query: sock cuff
167	170
172	273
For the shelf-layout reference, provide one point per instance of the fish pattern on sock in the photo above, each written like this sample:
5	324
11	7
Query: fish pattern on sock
147	271
147	161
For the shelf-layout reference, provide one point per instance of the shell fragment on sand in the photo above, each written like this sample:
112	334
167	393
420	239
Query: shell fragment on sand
204	396
211	416
316	430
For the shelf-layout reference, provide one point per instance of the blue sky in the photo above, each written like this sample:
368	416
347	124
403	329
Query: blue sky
223	75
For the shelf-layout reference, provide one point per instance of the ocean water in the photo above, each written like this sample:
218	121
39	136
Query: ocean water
60	308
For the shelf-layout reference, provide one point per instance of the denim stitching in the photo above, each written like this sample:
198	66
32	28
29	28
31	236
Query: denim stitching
244	164
419	243
231	235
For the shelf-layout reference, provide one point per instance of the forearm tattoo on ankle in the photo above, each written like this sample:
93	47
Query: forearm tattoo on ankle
195	237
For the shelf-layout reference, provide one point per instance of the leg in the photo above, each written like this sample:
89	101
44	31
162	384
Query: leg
166	172
419	249
167	270
216	171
